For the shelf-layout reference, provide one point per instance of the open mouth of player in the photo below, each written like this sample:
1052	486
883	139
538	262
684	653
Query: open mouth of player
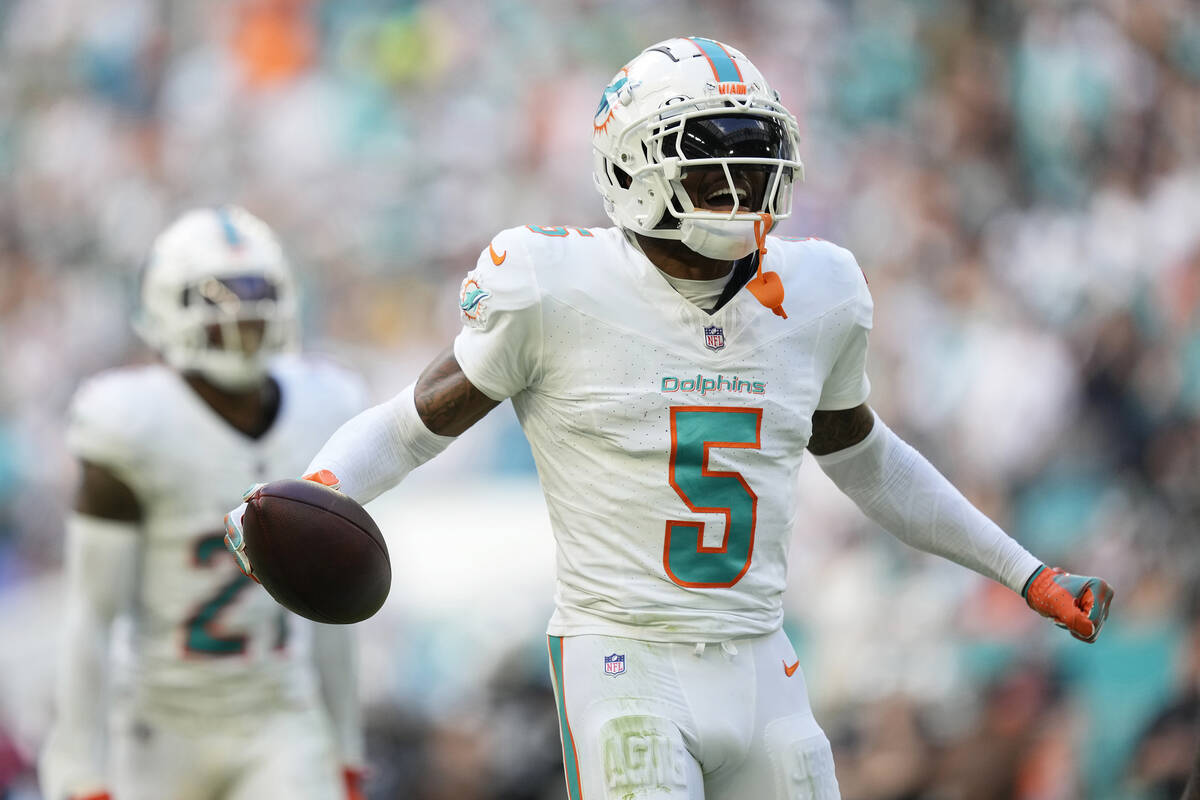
719	199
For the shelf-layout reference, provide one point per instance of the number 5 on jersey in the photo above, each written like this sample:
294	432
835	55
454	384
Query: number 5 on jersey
695	430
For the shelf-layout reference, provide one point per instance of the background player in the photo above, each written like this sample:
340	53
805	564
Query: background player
223	700
669	385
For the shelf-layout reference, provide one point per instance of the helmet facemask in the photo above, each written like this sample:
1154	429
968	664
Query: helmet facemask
229	328
745	160
731	168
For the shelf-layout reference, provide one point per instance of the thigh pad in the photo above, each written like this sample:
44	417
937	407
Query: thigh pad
801	760
643	757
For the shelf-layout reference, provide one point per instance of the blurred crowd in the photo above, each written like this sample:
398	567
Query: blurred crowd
1019	180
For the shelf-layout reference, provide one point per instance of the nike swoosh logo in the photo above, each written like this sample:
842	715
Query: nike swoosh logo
497	259
473	299
790	671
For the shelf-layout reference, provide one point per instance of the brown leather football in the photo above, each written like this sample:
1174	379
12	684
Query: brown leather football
316	551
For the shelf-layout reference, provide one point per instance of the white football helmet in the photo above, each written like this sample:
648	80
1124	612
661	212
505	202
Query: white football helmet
694	103
209	271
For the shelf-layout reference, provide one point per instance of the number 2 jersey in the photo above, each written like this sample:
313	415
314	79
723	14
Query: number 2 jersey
206	640
667	439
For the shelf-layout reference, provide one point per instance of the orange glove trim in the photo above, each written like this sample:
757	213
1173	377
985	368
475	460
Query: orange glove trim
323	477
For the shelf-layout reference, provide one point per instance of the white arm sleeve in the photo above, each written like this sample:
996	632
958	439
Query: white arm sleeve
375	450
898	488
101	564
335	654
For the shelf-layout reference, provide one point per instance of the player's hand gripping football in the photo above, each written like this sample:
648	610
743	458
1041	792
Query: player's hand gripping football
235	542
1075	602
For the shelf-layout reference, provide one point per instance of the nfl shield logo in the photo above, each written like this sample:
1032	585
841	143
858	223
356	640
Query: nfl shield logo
614	664
714	337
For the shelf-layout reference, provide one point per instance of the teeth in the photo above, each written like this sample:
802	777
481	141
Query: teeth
724	194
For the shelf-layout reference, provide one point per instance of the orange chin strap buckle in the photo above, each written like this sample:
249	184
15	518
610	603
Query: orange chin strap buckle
766	287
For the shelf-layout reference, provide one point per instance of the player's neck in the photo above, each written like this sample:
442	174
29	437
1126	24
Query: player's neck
679	261
251	411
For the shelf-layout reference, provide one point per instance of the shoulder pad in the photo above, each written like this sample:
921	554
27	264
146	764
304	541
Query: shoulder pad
111	414
811	259
503	279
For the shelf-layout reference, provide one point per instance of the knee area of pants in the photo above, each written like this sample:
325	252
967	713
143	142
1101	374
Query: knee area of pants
643	758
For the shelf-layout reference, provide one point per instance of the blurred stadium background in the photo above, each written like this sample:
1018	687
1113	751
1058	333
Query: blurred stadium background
1020	181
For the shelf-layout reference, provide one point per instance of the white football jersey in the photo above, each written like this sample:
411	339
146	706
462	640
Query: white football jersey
667	440
206	640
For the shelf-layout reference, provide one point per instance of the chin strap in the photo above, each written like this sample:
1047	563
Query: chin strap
766	287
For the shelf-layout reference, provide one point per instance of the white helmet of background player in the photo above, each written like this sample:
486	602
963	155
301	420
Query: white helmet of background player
684	104
218	297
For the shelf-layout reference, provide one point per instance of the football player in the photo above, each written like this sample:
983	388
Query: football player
669	373
225	695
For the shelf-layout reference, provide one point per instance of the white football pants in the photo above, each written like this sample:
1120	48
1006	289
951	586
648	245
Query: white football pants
723	721
283	755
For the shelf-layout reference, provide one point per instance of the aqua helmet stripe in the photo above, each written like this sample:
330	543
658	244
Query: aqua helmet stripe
724	70
232	237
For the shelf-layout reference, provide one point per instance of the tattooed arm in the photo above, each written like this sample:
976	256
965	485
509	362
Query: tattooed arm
446	401
837	430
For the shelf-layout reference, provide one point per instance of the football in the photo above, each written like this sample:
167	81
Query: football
316	551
